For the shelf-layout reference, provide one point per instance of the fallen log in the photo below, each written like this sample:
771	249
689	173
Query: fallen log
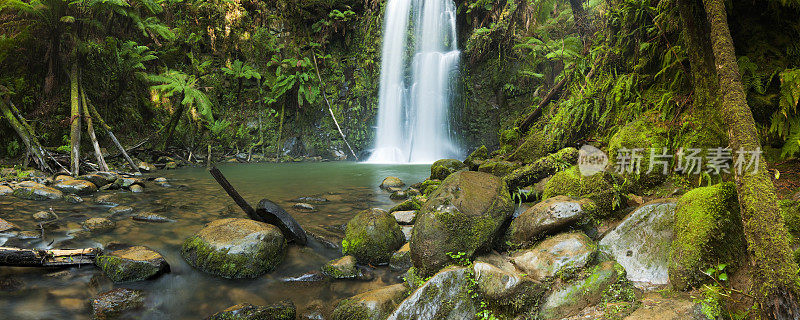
268	211
16	257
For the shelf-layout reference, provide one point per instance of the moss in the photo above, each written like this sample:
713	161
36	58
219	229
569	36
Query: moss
444	167
541	168
646	133
479	154
790	210
372	236
537	144
498	168
708	231
351	310
600	188
121	270
219	262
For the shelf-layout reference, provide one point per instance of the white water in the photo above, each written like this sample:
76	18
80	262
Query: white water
416	86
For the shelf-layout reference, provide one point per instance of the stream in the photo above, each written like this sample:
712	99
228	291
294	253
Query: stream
192	200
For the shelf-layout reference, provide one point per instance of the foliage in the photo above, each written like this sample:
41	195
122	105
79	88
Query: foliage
186	88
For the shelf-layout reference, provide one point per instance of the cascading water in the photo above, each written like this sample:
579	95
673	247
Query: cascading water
416	86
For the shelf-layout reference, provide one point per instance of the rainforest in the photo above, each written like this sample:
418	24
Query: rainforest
399	159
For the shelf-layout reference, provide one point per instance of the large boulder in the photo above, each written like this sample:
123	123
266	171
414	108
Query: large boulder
545	217
446	295
641	243
476	157
599	187
132	263
506	289
541	168
235	248
285	310
445	167
643	135
565	251
463	216
371	305
37	191
392	182
573	297
112	304
79	187
372	236
708	231
497	167
100	178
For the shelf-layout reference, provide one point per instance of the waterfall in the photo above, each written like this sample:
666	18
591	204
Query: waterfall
418	67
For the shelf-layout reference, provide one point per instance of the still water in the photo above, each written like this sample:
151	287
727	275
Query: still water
192	200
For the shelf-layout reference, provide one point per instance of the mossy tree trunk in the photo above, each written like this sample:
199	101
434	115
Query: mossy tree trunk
101	161
75	115
28	136
775	271
173	122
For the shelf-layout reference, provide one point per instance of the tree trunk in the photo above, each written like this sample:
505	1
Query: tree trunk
280	131
173	122
15	257
111	135
330	109
31	143
101	162
75	116
775	271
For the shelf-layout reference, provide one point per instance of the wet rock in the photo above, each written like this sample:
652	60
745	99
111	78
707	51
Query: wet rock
572	298
392	182
124	182
136	188
6	190
598	187
656	306
111	304
313	200
171	165
372	236
342	268
463	215
10	284
507	289
37	191
408	231
99	224
45	216
444	296
119	211
405	217
99	179
401	259
146	167
79	187
545	217
497	167
445	167
151	217
565	251
73	199
303	206
398	195
235	248
375	304
162	182
62	177
5	225
132	264
285	310
106	200
641	243
414	203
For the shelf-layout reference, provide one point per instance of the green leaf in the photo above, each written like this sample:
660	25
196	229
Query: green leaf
723	277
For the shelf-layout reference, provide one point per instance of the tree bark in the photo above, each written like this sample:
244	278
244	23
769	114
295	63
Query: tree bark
15	257
101	162
75	116
775	271
28	137
111	135
280	131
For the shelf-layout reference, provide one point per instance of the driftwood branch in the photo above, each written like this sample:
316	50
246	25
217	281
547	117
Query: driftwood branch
330	109
223	182
16	257
531	118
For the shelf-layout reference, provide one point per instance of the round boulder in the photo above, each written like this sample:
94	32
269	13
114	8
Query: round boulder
112	304
37	191
235	248
545	217
443	168
132	264
79	187
372	236
99	224
392	182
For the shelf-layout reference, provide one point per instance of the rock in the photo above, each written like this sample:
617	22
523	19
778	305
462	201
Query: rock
573	297
708	231
123	182
132	264
443	168
99	224
507	289
342	268
446	295
171	165
312	200
62	177
151	217
414	203
136	188
538	143
571	250
146	167
545	217
401	259
106	200
79	187
45	216
119	211
285	310
375	304
303	206
641	243
479	154
372	236
497	167
6	190
407	232
36	191
544	167
429	186
645	134
5	225
273	214
463	215
73	199
398	195
99	179
392	182
235	248
111	304
405	217
162	182
598	187
656	306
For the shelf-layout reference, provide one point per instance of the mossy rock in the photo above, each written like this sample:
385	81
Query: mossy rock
37	192
463	216
372	236
132	264
235	248
371	305
392	182
708	231
342	268
444	167
599	187
647	133
285	310
537	144
541	168
479	154
790	210
547	217
497	167
447	295
115	303
571	298
414	203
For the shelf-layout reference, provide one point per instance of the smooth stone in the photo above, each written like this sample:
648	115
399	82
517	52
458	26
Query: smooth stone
120	210
373	304
132	264
5	225
136	188
401	259
446	295
545	217
405	217
285	310
79	187
507	288
98	179
314	200
146	167
6	190
111	304
342	268
303	206
73	199
565	251
36	191
99	224
235	248
656	306
573	297
151	217
45	216
105	200
372	236
392	182
62	177
641	243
